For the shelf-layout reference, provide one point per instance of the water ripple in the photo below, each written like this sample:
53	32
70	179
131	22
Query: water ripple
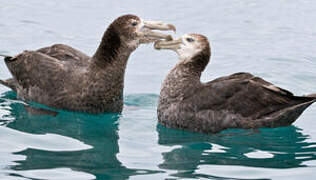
273	39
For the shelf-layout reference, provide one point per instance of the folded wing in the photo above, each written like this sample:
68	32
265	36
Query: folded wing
65	53
246	95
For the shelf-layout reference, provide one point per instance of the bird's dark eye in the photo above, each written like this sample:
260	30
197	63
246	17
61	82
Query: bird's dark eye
190	39
134	23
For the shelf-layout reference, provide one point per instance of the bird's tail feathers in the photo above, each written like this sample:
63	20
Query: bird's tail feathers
312	95
6	57
10	83
3	82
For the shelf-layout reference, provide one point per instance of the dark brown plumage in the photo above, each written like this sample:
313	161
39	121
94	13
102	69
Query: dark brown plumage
65	78
240	100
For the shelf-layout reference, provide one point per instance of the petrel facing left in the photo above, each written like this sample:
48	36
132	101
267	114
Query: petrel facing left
240	100
62	77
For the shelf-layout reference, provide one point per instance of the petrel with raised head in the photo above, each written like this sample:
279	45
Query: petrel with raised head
240	100
62	77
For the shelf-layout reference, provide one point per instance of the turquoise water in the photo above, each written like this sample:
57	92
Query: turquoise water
272	39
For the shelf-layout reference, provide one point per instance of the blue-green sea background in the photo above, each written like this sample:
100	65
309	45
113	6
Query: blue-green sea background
275	40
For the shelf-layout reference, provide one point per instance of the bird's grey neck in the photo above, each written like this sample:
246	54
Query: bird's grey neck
118	61
180	79
185	71
112	50
109	62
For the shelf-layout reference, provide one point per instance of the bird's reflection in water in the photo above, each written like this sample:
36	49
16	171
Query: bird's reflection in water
275	148
99	131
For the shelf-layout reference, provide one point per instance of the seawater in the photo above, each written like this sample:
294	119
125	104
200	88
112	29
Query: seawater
272	39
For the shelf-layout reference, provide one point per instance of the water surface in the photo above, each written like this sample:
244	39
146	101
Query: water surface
272	39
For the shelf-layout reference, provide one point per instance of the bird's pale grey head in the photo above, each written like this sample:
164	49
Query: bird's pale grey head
186	46
191	48
133	30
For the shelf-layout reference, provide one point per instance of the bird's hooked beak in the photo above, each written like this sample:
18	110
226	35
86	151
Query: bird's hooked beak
159	25
173	44
151	36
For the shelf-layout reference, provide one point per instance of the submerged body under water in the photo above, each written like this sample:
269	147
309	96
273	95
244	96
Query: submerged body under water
274	40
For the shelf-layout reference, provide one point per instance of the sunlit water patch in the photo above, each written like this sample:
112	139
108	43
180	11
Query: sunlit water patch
272	39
